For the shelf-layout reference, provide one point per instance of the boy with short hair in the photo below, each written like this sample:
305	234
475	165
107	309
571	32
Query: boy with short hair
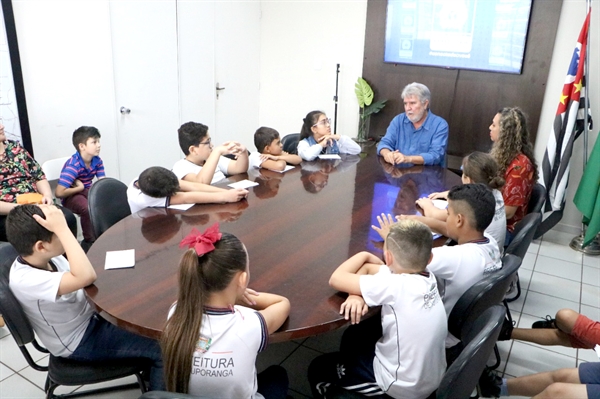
159	187
270	154
405	356
50	289
203	163
471	208
77	175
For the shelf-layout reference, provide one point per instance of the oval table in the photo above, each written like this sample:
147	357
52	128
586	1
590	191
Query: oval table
298	226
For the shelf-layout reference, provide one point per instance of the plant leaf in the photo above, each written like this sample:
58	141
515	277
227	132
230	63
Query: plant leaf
374	108
364	93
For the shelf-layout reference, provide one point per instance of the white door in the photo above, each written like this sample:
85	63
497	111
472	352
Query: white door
237	70
144	43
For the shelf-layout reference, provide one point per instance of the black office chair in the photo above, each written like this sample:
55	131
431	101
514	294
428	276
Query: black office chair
524	232
484	294
537	199
61	371
290	143
107	204
462	376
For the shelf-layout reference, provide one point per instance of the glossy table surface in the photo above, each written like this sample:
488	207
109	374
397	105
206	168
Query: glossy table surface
297	226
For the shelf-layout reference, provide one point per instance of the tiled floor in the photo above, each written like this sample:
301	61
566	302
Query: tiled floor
552	277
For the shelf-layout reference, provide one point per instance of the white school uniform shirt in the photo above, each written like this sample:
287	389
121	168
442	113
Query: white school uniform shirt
410	357
345	144
223	365
458	267
59	321
138	200
497	228
183	167
254	160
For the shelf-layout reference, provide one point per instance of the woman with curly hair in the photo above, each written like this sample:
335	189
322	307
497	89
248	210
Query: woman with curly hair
513	152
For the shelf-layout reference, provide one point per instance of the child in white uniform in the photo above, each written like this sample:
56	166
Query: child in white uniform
316	138
470	210
50	289
202	162
477	167
270	154
218	325
405	356
158	187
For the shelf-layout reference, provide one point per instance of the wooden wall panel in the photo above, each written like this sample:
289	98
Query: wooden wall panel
467	99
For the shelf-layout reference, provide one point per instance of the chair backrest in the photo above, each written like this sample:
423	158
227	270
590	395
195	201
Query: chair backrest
290	143
10	308
107	204
462	376
53	167
484	294
537	199
523	234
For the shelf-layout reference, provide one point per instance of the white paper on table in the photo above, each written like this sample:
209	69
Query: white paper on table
287	167
329	156
597	350
243	184
181	207
440	203
119	259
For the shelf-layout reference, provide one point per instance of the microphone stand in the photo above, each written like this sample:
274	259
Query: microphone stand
335	98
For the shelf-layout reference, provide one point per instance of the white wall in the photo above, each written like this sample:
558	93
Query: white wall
301	43
66	61
571	20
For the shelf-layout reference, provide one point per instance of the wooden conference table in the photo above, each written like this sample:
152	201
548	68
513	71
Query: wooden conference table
297	226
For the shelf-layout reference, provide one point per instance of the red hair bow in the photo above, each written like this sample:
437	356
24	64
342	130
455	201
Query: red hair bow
202	243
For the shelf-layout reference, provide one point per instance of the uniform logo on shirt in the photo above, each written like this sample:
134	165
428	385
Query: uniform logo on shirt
213	366
432	297
203	344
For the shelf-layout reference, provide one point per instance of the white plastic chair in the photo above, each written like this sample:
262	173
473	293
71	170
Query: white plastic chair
52	169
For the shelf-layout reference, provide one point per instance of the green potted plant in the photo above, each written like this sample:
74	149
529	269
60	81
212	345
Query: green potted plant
364	95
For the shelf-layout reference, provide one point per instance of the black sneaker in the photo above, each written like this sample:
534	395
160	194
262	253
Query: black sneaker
489	384
506	330
548	323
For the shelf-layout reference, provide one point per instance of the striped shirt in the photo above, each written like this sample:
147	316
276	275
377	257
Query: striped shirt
75	168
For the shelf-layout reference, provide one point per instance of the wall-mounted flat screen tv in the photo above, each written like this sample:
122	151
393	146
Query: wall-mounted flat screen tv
486	35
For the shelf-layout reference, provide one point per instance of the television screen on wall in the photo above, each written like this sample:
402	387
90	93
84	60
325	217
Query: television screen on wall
485	35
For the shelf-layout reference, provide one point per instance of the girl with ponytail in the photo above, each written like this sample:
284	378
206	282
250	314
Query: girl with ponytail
477	167
218	325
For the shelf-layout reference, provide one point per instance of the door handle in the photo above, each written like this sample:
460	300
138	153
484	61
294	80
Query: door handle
218	89
125	110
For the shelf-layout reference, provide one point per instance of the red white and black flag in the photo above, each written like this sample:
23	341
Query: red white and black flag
568	126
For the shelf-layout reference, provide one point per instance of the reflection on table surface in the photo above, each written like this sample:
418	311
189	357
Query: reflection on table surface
298	226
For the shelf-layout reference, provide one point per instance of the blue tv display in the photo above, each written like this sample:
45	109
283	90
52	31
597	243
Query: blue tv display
485	35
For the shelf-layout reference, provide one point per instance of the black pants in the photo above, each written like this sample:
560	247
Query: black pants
352	367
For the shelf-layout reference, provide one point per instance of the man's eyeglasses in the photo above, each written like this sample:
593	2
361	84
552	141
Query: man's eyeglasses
323	122
206	142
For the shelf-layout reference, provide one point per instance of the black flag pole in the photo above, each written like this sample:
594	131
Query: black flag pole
335	98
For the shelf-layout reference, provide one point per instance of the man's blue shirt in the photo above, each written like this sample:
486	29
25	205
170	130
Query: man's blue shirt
429	141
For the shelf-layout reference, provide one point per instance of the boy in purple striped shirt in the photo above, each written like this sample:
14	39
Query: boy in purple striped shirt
77	175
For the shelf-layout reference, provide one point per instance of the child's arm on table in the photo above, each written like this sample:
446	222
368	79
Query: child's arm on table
430	210
240	165
198	197
82	273
436	225
274	308
346	277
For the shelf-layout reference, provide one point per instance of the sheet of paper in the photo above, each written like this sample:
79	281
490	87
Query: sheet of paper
119	259
243	184
181	207
287	167
440	204
329	156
